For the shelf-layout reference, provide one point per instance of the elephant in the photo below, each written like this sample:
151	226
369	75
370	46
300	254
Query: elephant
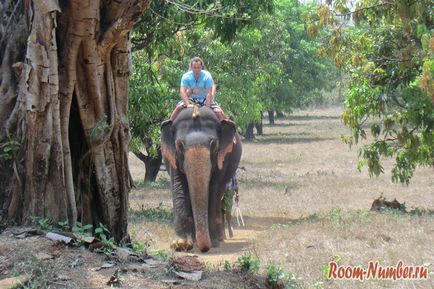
201	155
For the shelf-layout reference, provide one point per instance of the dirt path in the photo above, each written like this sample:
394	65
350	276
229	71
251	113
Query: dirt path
304	203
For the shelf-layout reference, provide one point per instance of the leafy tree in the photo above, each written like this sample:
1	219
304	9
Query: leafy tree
388	55
270	64
161	40
154	90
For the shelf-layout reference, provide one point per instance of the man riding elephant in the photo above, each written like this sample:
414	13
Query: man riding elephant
197	87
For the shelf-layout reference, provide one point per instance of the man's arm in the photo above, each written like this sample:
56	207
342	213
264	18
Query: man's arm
183	91
208	97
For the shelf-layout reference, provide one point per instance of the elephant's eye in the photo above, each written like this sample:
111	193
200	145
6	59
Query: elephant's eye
213	144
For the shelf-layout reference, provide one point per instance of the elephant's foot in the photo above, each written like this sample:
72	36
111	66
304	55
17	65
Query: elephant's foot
181	245
215	243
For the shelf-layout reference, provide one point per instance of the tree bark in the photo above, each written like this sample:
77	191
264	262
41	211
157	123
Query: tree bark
152	165
249	132
258	126
271	117
68	111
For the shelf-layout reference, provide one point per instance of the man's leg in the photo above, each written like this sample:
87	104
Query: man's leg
229	221
176	111
220	113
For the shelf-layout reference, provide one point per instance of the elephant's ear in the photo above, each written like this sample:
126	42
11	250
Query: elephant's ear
168	143
227	134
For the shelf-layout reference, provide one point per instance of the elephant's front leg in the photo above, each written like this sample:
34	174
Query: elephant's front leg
184	223
219	220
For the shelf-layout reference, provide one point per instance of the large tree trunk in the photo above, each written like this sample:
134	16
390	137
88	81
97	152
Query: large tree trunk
249	132
259	126
271	117
64	79
152	165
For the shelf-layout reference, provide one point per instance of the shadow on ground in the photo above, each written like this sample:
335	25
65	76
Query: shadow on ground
281	139
309	117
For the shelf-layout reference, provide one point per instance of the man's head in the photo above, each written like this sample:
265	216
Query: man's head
196	64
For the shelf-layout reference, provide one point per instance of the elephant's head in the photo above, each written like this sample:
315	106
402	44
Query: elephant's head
196	144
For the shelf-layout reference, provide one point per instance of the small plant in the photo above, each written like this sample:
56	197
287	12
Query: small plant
140	248
40	274
159	213
162	254
248	263
44	224
227	266
336	215
293	281
64	225
106	250
102	233
7	149
274	274
82	229
100	130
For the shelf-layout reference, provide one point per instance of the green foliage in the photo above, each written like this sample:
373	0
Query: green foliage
268	64
82	229
64	225
274	273
160	43
153	95
161	254
248	263
161	183
44	224
140	248
227	266
7	149
102	234
225	18
388	56
100	130
40	274
156	214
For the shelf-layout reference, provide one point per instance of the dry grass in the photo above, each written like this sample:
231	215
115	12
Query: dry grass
298	174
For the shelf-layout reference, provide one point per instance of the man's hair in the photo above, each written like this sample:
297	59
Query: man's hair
197	59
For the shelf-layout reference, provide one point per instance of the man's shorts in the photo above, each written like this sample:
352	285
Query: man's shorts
228	201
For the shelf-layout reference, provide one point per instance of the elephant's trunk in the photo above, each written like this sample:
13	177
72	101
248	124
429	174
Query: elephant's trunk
197	167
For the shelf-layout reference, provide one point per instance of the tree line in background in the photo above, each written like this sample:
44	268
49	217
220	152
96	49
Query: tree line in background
288	55
270	65
386	49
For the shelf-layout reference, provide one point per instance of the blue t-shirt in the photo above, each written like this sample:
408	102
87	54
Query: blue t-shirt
203	82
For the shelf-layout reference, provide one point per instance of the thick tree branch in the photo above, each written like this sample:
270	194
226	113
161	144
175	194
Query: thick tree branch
131	12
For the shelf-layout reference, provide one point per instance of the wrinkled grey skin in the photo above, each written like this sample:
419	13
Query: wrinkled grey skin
192	146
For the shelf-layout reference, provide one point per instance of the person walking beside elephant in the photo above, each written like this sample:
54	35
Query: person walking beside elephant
228	202
197	87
